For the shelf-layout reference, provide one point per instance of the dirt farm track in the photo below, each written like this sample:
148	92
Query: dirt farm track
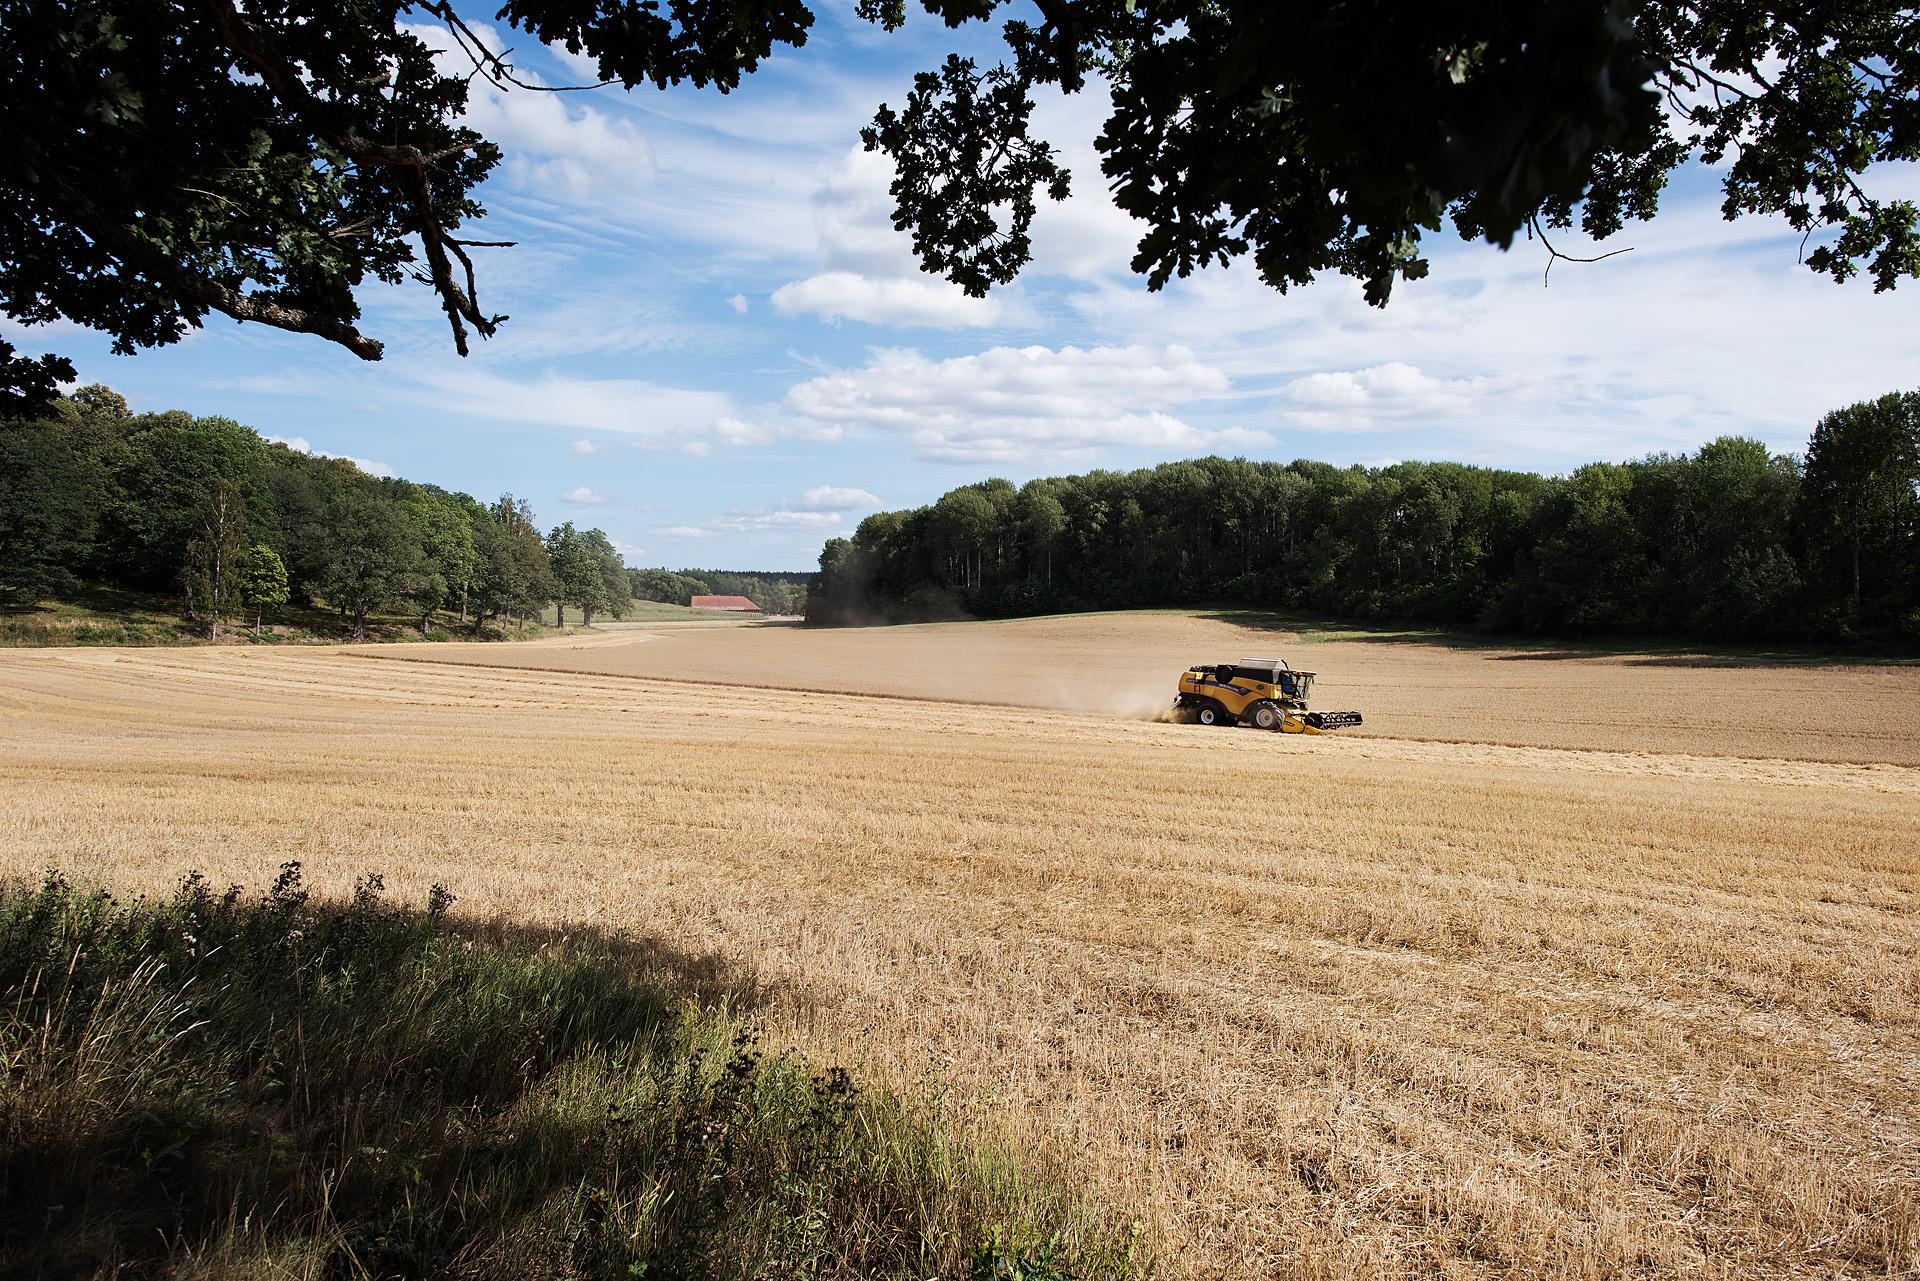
1569	965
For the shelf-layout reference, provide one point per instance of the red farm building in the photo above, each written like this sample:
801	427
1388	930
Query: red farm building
725	604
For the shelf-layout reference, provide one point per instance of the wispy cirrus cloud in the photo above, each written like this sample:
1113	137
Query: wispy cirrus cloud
646	411
781	520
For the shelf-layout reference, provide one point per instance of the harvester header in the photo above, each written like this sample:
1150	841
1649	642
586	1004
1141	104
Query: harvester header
1262	692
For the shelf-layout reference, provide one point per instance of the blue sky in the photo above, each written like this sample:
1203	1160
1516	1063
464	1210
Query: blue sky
722	354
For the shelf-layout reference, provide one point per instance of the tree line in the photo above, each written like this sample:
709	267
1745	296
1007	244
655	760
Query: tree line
774	593
238	527
1731	543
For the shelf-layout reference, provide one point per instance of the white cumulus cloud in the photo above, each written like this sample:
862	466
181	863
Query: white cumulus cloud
834	498
1025	404
868	269
821	511
1392	394
582	496
898	300
734	431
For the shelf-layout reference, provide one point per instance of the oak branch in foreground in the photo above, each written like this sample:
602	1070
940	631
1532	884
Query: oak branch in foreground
164	159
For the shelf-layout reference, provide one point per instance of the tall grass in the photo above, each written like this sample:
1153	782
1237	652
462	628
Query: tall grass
273	1086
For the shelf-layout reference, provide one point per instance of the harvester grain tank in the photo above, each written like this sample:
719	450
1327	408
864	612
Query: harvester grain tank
1262	692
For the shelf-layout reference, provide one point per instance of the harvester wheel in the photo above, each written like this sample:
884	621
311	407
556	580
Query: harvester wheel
1214	714
1265	716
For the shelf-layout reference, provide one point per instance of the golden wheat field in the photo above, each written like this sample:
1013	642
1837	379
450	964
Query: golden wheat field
1624	982
1125	664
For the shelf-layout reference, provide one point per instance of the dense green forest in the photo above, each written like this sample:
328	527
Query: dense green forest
238	527
1731	543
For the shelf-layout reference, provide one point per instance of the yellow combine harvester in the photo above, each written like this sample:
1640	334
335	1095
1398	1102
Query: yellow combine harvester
1262	692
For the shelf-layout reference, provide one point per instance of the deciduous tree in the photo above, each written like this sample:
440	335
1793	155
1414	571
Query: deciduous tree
614	596
376	558
1861	496
444	527
49	498
263	582
576	577
513	578
212	575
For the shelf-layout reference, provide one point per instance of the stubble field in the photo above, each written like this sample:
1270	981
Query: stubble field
1589	992
1408	688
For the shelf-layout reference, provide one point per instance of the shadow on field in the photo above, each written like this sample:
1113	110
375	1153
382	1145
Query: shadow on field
711	979
1310	629
1703	659
214	1084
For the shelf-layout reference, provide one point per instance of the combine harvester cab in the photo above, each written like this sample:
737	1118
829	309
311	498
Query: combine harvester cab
1262	692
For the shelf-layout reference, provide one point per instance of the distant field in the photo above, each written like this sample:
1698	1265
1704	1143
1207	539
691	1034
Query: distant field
1126	664
653	611
1310	1007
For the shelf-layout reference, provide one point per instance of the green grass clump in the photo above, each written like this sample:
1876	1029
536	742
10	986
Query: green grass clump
234	1086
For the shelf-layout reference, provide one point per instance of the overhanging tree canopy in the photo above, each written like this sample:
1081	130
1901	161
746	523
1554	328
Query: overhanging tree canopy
161	160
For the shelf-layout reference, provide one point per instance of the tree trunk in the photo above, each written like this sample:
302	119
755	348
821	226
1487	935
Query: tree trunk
559	614
1856	569
586	616
463	602
1893	547
259	614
